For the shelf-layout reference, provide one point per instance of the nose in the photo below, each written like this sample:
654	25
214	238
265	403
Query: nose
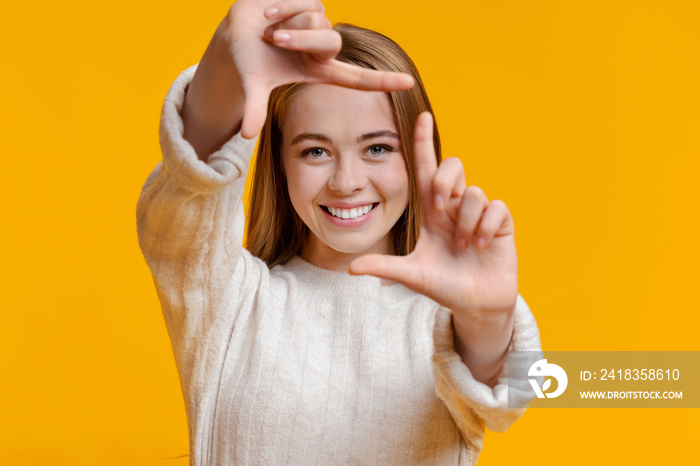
349	175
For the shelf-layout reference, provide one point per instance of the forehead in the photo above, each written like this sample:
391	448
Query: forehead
338	112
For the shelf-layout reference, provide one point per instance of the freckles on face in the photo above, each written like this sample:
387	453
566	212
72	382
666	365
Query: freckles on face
346	175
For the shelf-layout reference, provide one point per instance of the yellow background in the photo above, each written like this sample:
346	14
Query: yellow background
582	116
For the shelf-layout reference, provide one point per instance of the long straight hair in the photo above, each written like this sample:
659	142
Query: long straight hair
275	232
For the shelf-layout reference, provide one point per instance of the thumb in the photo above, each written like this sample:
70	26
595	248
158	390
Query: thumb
396	268
254	111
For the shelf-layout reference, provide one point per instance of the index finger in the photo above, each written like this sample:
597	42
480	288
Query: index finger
364	79
424	155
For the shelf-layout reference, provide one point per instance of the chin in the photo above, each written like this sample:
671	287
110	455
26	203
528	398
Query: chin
353	247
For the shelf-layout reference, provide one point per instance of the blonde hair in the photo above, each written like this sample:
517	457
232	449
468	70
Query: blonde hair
275	232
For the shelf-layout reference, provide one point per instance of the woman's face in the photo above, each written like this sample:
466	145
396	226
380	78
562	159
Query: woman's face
345	170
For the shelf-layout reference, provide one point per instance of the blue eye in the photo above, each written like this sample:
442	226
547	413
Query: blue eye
313	152
379	149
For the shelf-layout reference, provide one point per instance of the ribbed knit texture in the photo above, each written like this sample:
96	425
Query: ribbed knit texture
297	364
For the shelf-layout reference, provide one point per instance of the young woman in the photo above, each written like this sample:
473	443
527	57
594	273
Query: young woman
369	318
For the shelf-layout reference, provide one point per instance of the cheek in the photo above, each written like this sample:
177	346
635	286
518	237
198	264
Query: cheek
296	190
395	180
302	185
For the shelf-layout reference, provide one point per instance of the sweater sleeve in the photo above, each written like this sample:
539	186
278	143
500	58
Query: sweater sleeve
472	403
190	225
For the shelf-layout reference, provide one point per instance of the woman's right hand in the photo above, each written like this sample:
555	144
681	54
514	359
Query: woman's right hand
260	45
278	42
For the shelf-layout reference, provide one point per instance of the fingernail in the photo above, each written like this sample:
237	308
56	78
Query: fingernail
281	37
271	12
461	243
480	243
439	202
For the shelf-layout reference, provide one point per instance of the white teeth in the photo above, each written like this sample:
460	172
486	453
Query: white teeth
350	213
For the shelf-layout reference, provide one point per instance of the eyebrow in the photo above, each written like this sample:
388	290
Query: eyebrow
322	137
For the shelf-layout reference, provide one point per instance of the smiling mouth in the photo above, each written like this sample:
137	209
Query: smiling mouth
350	213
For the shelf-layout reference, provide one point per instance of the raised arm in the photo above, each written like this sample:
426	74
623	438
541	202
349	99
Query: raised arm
190	214
466	261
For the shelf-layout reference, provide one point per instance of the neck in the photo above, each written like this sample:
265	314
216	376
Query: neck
318	253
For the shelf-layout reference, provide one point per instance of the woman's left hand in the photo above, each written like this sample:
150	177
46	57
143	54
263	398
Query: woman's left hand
465	258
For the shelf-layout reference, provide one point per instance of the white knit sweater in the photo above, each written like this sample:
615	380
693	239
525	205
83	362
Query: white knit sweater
297	364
